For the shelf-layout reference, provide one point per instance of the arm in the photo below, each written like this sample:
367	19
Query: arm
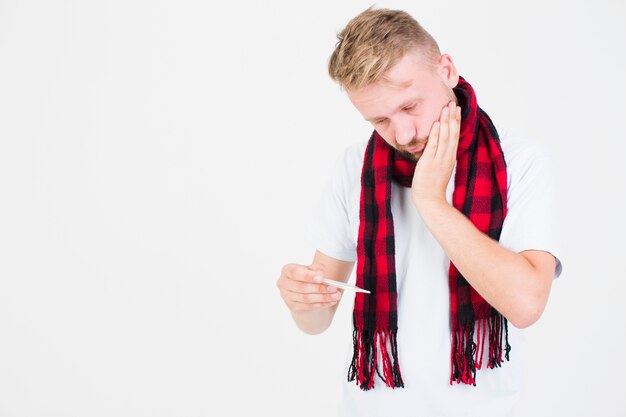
313	304
515	284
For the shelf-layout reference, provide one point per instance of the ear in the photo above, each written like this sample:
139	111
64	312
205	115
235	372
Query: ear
448	71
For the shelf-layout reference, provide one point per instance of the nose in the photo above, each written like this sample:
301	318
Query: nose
405	130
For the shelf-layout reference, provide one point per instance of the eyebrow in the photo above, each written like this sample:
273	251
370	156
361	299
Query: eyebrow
411	101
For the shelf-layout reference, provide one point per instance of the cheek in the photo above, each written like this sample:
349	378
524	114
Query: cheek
387	133
426	124
434	114
388	137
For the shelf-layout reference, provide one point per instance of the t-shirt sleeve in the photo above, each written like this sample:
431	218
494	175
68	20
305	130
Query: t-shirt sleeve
532	218
329	229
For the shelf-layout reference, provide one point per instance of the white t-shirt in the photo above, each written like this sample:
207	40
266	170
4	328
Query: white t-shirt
422	281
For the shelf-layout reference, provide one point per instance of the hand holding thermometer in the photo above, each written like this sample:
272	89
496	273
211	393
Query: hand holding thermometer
344	286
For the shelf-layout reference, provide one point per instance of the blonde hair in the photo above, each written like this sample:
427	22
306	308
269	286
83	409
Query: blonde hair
375	41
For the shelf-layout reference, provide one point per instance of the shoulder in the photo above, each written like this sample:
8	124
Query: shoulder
344	181
524	155
350	162
352	156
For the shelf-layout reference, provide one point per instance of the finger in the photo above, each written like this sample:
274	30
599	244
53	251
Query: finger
444	130
310	298
433	140
455	125
302	273
456	131
296	306
305	287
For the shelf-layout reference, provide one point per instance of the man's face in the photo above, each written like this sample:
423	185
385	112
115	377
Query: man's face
404	105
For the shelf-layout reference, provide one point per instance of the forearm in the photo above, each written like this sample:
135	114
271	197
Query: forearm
505	279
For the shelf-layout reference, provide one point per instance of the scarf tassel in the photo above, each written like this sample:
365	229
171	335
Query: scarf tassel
467	354
365	358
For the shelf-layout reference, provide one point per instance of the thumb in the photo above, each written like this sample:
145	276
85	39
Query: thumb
317	273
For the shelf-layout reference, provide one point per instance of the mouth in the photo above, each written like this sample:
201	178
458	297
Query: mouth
417	148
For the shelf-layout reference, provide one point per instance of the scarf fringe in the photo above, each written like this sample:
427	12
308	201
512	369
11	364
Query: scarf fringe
365	358
467	352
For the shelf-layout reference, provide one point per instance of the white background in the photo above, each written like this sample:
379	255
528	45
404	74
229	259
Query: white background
159	161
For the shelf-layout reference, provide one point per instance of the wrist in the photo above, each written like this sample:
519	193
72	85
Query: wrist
429	203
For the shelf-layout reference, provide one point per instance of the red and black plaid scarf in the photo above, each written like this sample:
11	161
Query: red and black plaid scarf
480	192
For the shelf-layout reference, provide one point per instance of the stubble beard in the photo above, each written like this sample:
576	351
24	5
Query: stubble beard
411	156
416	156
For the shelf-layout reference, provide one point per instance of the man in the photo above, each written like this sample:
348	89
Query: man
450	225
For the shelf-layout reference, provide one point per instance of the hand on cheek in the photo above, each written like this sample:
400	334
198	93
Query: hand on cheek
434	168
